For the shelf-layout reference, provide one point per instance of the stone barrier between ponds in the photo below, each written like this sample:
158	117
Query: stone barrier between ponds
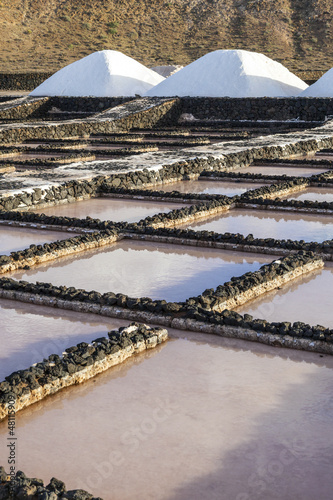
231	241
251	285
67	192
268	109
314	162
38	254
131	184
188	214
172	235
257	108
76	365
267	197
141	113
22	81
51	221
205	308
72	190
263	197
281	188
23	108
247	176
21	487
306	206
28	107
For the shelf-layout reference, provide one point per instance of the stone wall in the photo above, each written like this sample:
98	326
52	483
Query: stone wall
51	108
258	108
133	117
251	285
22	81
6	98
17	486
224	108
200	309
78	364
89	104
37	254
228	241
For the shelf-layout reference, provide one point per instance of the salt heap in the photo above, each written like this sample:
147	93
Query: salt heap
322	88
107	73
168	70
233	73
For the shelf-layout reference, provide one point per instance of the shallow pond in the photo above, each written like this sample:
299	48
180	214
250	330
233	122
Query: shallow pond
269	224
13	239
110	209
197	418
308	299
140	269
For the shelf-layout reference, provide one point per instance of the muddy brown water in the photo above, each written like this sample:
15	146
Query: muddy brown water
313	194
269	224
209	187
13	239
308	299
111	209
199	417
140	269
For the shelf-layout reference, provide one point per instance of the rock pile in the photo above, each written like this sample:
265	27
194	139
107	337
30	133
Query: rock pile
25	488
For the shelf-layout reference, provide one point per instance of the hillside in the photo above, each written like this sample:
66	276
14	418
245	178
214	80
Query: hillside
44	35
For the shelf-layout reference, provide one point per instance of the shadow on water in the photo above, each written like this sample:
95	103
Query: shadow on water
287	455
242	427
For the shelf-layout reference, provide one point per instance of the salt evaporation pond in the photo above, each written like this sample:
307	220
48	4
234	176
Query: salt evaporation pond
313	194
209	187
269	224
308	299
140	269
280	170
111	209
30	333
19	238
196	418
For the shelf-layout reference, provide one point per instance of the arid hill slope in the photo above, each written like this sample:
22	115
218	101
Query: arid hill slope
44	35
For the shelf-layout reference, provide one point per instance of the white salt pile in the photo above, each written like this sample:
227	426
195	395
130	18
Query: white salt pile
107	73
322	88
233	73
167	70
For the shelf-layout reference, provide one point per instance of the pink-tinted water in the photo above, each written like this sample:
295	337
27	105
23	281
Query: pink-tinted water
270	224
17	238
30	333
308	299
313	194
197	418
283	170
140	269
324	156
209	187
111	209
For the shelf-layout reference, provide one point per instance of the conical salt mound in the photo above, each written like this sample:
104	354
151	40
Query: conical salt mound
322	88
107	73
233	73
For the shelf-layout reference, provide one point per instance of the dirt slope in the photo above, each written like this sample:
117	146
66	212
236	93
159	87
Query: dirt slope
44	35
